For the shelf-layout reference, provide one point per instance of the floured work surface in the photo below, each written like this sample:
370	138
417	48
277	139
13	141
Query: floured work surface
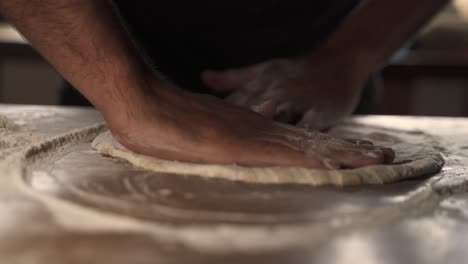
66	203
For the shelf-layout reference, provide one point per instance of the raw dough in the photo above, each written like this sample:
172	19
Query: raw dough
411	161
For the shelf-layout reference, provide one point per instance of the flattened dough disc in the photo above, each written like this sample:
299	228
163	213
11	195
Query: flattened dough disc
412	160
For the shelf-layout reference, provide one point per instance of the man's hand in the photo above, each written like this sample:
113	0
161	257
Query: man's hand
320	89
175	125
310	91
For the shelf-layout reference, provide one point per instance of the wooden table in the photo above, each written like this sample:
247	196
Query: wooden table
48	197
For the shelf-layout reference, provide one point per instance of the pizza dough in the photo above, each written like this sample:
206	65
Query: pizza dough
411	161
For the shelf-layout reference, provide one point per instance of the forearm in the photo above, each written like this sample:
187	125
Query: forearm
85	42
379	27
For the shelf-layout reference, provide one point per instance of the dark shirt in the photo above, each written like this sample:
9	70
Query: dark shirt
182	38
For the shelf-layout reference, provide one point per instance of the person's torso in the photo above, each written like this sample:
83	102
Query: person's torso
189	36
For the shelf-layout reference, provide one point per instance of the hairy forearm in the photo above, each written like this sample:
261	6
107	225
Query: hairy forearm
85	42
379	27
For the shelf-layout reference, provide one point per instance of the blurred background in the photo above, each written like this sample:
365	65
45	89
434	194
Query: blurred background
429	77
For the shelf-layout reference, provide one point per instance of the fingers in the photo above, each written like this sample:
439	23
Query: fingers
246	91
354	156
283	155
388	153
273	154
350	153
331	152
350	158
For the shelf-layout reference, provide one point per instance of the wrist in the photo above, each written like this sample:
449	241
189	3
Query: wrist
129	97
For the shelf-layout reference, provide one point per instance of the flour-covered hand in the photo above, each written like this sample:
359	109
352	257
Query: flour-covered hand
310	91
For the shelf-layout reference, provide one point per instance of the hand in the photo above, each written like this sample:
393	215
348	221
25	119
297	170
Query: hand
175	125
311	91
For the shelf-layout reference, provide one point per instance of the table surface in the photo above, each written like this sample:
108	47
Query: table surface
48	196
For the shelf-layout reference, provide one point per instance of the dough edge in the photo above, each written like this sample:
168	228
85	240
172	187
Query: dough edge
427	161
